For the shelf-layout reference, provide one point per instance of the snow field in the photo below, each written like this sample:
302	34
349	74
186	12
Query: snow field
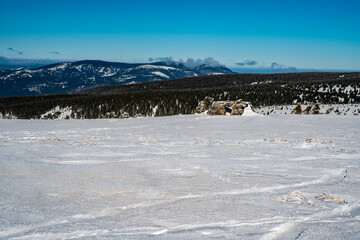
181	177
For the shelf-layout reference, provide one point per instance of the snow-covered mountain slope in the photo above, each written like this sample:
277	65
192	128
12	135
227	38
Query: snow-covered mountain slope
181	177
328	109
73	77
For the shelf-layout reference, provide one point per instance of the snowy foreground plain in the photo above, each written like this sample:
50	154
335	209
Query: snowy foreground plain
181	177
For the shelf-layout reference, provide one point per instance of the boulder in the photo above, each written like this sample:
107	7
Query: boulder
238	108
217	108
204	105
124	115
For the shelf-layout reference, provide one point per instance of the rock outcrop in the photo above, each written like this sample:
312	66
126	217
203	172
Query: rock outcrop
211	107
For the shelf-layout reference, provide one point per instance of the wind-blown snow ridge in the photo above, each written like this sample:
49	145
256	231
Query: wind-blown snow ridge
156	67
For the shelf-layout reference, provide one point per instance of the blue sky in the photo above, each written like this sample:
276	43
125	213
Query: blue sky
302	34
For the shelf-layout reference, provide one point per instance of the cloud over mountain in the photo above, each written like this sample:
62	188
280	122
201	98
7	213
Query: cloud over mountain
282	67
274	66
247	62
190	62
15	51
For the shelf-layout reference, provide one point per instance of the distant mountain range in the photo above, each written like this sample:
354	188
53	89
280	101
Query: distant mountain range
72	77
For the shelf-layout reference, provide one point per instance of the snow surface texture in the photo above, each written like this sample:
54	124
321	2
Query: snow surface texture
181	177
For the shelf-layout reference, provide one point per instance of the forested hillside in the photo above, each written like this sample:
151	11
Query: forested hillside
182	96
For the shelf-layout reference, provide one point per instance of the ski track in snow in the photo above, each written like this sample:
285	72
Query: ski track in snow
183	177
